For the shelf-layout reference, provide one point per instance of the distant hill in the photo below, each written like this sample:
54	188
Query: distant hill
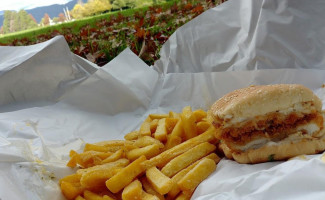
53	10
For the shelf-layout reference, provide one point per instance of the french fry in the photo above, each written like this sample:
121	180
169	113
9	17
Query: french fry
73	178
175	136
133	191
93	196
209	117
71	190
178	129
213	157
129	147
97	177
72	153
103	193
99	148
196	175
202	126
133	135
185	159
114	157
164	157
176	143
145	127
148	151
183	196
172	141
158	116
170	124
91	158
175	190
146	196
113	143
161	183
79	198
153	125
121	162
73	159
161	131
199	115
146	141
126	175
174	115
106	197
149	189
102	148
188	120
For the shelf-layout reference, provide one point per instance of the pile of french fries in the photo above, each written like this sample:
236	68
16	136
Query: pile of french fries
167	158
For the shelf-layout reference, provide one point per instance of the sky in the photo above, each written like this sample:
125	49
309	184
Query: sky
28	4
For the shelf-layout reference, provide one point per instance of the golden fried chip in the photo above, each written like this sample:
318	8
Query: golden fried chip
172	141
149	189
175	189
148	151
133	191
161	131
202	126
164	157
178	146
146	196
79	198
119	162
133	135
188	120
114	157
173	114
196	175
73	178
199	115
158	116
185	159
145	127
71	190
170	124
146	141
97	177
161	183
183	196
93	196
153	125
126	175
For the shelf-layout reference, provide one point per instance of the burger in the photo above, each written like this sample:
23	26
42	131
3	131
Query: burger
269	122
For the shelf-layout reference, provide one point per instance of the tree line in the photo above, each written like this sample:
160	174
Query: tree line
93	7
18	21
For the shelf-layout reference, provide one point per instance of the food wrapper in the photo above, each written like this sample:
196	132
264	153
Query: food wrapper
53	101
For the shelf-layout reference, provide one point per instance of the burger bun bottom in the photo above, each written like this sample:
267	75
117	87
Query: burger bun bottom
281	151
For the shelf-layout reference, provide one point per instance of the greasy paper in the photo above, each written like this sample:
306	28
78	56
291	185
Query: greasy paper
53	101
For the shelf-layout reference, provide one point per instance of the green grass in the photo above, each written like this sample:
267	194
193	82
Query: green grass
101	38
74	25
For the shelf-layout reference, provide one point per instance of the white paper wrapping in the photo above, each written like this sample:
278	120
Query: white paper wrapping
248	35
53	101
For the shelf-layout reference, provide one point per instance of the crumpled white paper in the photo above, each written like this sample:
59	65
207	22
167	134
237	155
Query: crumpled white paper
53	101
248	35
